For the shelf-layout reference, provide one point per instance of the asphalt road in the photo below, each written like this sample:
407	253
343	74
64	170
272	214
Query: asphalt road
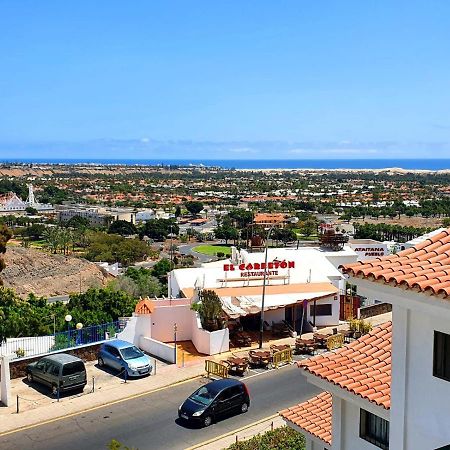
150	422
187	249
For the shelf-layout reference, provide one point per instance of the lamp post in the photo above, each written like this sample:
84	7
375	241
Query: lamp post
261	325
68	319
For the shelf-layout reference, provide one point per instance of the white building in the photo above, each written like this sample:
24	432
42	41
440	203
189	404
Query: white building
12	203
370	405
368	248
144	215
297	280
97	216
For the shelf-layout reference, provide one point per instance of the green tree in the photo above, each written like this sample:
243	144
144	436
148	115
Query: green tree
159	229
123	228
78	222
35	231
194	207
5	236
114	248
226	232
161	269
97	306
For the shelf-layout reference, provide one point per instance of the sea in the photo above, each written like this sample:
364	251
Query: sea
407	164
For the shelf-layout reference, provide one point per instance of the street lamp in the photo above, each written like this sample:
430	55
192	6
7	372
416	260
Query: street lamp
261	325
68	319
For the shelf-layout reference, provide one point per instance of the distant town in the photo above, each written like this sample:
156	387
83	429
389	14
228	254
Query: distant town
218	273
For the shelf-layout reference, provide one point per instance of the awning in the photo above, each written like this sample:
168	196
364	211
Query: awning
241	305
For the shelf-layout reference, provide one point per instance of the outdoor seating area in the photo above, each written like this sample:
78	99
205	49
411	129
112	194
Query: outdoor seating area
322	341
236	364
257	359
241	339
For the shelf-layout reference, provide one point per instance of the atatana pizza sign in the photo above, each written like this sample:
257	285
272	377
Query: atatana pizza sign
257	269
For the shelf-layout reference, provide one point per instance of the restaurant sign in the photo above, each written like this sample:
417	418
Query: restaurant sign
257	269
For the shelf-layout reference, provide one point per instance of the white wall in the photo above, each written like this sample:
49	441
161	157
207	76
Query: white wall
349	413
428	398
163	351
208	343
136	327
274	315
164	318
325	321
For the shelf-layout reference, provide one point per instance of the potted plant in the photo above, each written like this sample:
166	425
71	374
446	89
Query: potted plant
111	332
353	326
365	327
20	352
209	308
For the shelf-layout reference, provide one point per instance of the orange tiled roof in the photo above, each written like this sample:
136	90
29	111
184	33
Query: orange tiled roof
145	306
362	367
313	416
423	268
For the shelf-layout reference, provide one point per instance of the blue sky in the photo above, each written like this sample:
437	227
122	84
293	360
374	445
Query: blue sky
213	79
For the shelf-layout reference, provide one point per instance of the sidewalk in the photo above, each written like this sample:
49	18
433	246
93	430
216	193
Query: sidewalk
166	376
241	434
36	413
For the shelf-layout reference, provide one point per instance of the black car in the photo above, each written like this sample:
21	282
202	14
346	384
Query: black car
215	399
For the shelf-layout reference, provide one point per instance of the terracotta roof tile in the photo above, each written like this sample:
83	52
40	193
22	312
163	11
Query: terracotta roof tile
424	268
362	367
313	416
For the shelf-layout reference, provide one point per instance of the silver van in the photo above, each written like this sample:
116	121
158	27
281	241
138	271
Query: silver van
61	372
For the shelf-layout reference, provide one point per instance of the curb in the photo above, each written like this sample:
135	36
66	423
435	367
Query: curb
99	406
230	433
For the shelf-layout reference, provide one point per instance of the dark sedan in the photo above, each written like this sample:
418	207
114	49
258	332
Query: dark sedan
215	399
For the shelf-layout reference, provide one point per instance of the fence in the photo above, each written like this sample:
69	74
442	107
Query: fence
214	368
335	341
284	356
41	345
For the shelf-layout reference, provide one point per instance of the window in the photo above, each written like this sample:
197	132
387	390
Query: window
53	370
235	391
73	368
114	351
374	429
40	365
441	355
320	310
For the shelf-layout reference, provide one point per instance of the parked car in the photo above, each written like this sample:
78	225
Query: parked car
61	372
218	398
124	356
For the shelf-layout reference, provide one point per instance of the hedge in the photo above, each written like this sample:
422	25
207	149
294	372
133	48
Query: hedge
284	438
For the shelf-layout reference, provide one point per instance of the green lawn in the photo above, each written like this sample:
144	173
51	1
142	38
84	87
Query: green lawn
211	250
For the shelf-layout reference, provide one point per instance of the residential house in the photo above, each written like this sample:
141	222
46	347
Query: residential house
405	407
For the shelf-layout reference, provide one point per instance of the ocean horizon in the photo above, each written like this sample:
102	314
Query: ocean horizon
330	164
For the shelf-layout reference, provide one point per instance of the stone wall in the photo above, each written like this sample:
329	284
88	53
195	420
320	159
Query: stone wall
375	310
86	353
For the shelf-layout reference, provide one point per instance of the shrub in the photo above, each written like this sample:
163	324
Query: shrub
284	438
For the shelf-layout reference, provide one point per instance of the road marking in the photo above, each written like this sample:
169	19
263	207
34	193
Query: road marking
257	374
94	408
238	430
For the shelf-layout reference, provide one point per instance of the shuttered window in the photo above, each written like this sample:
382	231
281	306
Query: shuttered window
374	429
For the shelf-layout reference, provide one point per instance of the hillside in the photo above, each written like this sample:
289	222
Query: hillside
29	270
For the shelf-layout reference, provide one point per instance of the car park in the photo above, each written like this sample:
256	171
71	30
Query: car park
60	372
124	357
213	400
